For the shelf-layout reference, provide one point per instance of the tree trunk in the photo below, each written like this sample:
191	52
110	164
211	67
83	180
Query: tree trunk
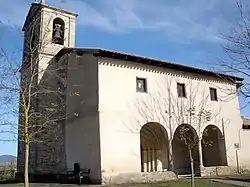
192	167
171	164
26	166
237	161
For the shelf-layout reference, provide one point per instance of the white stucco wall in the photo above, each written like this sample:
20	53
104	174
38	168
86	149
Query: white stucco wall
120	121
244	151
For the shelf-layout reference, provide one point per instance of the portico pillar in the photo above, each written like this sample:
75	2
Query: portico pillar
159	160
149	160
153	160
200	153
144	160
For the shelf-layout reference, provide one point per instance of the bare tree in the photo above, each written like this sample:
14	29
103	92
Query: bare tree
237	50
39	88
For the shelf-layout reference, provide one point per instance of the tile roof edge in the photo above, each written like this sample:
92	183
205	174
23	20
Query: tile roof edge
98	51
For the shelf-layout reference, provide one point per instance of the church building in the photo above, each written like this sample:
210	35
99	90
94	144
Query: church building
125	117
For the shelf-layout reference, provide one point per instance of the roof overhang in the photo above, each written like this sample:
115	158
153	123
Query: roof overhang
149	61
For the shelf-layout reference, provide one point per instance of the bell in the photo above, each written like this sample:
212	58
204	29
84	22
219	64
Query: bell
57	34
58	31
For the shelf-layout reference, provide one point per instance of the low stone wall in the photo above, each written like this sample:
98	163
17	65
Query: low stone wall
223	170
126	178
245	170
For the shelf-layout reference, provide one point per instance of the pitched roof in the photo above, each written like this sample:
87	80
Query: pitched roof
149	61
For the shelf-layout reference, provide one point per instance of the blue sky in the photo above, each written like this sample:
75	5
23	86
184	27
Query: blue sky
173	30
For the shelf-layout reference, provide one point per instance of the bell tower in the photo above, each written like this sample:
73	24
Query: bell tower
47	30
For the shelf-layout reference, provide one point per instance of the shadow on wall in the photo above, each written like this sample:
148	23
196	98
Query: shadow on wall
82	128
65	90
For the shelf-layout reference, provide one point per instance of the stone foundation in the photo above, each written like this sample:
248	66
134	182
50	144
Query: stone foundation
50	177
223	170
245	170
126	178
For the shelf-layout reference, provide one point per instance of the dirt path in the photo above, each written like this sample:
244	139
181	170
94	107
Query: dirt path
234	182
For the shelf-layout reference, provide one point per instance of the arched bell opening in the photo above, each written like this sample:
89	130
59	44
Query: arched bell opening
58	31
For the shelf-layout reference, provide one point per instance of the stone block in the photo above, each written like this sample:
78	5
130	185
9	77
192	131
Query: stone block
218	171
130	178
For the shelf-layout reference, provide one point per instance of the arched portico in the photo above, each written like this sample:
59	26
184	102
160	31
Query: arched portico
185	138
213	147
154	148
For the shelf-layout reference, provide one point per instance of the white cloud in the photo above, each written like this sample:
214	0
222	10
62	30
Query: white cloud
178	19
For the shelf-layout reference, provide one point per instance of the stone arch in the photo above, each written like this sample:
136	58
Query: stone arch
154	147
58	31
185	138
213	147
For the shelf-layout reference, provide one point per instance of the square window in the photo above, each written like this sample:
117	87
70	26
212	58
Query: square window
181	90
213	94
246	127
246	123
141	85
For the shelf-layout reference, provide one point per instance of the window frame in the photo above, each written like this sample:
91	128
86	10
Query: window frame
214	90
145	85
183	90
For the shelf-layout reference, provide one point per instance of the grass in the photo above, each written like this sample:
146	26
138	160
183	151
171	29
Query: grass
186	183
179	183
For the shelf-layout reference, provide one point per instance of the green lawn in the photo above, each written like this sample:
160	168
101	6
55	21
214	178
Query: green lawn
186	183
180	183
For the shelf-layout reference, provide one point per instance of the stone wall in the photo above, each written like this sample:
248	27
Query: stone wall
50	148
20	156
51	152
126	178
223	170
47	138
